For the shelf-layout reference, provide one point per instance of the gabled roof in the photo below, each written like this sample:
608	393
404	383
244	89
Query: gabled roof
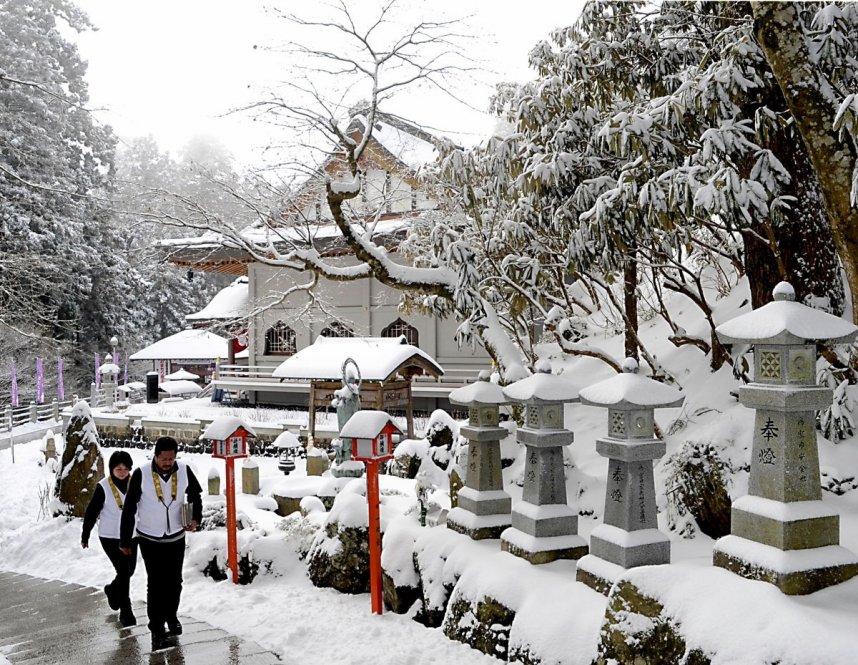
185	345
378	358
367	424
228	303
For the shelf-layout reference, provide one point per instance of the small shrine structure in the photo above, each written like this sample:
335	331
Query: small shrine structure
483	509
544	527
781	531
629	536
387	365
370	435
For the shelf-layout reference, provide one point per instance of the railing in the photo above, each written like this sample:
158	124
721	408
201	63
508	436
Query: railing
252	372
35	413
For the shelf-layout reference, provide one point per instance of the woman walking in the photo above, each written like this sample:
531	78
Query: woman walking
106	507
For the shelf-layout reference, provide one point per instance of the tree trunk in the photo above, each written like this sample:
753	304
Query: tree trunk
630	302
813	104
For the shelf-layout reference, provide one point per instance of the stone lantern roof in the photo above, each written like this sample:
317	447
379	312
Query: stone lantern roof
479	393
785	321
542	387
108	367
631	390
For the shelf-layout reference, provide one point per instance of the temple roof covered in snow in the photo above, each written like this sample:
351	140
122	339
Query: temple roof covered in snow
186	345
228	303
378	358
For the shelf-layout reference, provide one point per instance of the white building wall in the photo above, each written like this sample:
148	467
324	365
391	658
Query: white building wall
366	306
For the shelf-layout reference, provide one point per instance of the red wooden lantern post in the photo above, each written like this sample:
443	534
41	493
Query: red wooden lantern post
370	434
228	435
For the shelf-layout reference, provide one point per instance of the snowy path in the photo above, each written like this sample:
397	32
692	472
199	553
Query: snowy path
44	622
282	613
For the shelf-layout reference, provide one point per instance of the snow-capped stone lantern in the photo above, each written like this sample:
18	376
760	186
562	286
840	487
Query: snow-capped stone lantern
629	536
483	509
781	531
370	435
109	372
544	527
228	435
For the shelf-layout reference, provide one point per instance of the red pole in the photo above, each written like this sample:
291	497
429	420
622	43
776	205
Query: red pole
231	545
375	586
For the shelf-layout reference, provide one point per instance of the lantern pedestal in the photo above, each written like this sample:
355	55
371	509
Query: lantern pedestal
483	509
544	527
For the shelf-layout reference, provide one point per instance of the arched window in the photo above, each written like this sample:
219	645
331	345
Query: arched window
399	327
280	340
337	329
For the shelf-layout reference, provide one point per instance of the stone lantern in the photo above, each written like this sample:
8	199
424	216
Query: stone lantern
629	536
483	509
544	527
109	372
782	532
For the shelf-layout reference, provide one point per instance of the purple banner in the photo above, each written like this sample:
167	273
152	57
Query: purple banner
61	389
40	381
97	373
14	385
125	381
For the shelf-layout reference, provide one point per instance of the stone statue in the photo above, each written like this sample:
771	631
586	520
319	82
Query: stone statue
347	402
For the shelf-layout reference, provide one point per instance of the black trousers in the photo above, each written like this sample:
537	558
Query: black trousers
164	580
124	566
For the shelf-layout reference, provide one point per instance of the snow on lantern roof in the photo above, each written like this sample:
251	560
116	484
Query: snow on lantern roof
222	427
174	388
479	392
182	375
286	440
785	321
109	368
185	345
379	359
366	425
228	303
542	387
631	390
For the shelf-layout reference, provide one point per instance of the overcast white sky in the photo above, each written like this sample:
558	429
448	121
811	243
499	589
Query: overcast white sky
170	67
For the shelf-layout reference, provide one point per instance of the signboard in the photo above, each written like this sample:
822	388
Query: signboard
234	446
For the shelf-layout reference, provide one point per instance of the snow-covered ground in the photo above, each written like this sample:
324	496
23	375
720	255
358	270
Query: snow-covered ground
740	621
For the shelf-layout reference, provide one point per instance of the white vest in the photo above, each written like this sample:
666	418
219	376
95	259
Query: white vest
111	514
161	519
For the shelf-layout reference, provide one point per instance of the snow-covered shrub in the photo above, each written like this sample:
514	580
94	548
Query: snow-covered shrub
300	529
401	583
696	490
835	422
214	517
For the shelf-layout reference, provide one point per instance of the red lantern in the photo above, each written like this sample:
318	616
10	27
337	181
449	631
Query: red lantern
228	435
370	434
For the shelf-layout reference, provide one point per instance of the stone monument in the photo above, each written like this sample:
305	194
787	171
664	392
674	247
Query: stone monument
250	477
629	536
214	481
347	403
483	509
782	532
544	527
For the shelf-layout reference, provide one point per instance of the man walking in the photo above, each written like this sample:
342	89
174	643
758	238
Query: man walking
153	504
